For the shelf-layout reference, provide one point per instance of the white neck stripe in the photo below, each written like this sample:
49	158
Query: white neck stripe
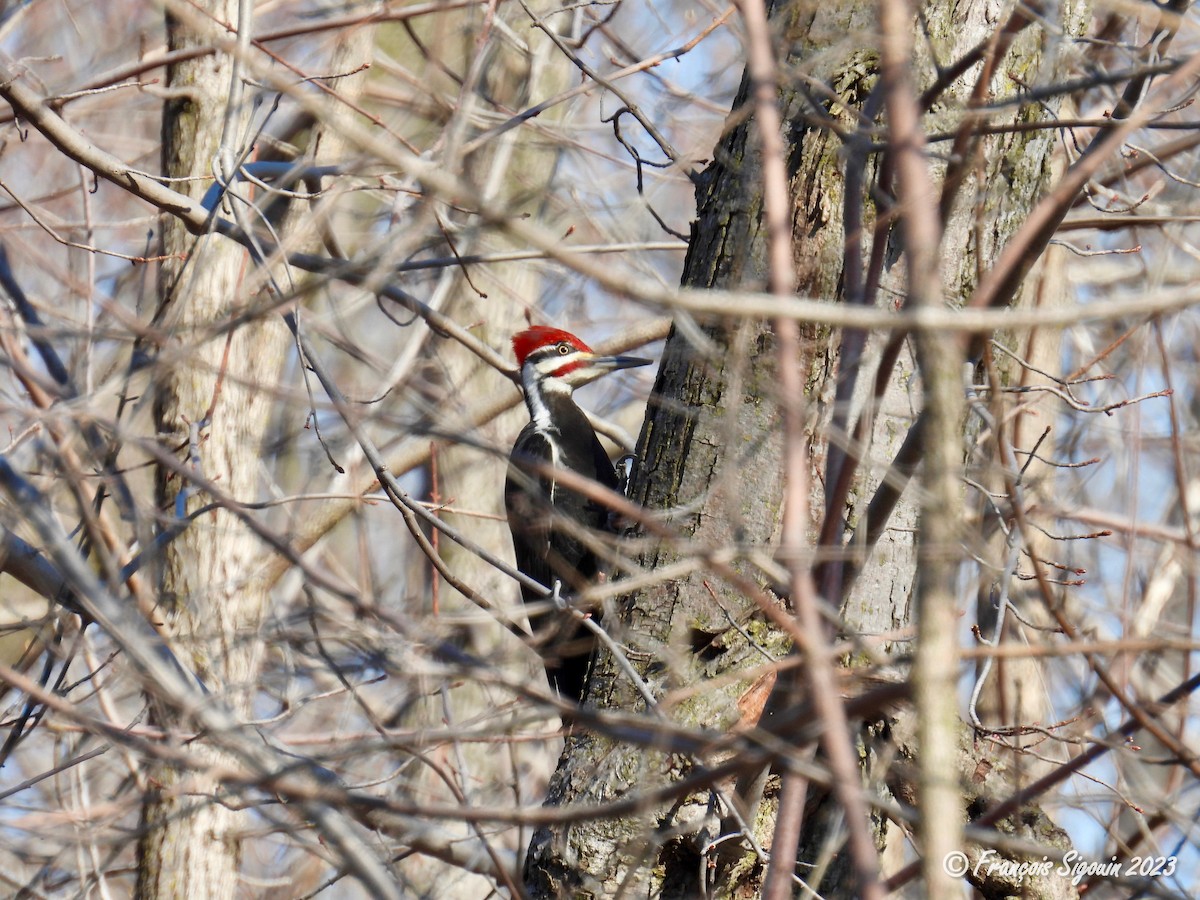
538	411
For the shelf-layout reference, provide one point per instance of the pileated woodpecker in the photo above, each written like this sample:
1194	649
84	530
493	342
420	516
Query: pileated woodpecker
550	522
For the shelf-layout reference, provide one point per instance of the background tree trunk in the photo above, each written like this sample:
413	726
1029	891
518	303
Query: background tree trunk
214	395
494	301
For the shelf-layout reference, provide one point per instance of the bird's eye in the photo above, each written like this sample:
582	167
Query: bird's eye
564	349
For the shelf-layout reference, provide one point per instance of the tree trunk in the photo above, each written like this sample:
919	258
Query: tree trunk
494	299
710	451
214	393
520	172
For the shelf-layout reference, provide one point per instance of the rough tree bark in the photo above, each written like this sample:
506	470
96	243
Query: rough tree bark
710	449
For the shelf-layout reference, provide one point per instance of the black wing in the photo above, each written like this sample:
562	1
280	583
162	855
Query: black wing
549	550
527	498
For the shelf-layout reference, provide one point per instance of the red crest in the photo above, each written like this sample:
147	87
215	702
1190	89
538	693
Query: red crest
531	339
